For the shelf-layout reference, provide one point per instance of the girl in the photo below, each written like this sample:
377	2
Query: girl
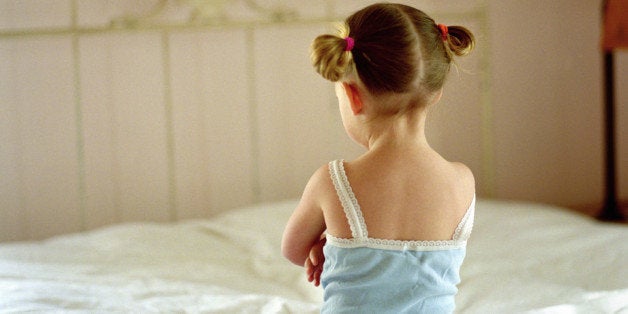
398	217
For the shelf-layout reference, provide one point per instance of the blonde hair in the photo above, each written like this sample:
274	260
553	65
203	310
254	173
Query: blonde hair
330	56
397	49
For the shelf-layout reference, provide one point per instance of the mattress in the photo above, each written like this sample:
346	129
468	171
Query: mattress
521	258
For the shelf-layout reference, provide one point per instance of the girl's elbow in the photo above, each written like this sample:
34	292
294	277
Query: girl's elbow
292	254
293	259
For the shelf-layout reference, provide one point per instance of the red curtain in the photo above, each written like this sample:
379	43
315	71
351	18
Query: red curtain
615	25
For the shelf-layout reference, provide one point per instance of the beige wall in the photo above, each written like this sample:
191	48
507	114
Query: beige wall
170	120
546	86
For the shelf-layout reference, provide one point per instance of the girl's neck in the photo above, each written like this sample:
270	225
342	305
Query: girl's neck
405	132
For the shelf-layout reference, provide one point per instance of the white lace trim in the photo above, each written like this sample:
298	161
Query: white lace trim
397	245
465	226
348	199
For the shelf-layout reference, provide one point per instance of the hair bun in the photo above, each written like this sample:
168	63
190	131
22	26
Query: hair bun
330	54
461	40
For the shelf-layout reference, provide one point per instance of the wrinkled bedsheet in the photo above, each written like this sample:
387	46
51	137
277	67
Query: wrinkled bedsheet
522	258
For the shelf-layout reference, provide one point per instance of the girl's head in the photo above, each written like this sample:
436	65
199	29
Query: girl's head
391	49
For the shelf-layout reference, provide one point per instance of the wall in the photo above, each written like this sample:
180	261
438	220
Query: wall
547	103
107	119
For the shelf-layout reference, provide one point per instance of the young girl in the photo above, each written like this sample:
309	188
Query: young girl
392	224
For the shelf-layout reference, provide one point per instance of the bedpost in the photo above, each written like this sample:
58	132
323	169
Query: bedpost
610	210
614	17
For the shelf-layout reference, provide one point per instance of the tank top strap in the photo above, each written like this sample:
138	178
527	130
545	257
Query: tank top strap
463	231
348	199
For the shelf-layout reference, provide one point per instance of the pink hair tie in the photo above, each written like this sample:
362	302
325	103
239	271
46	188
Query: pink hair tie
444	31
350	43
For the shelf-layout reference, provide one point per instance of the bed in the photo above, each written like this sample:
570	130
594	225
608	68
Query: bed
522	258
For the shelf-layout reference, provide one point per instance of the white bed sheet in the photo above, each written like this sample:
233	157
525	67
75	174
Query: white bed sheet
522	258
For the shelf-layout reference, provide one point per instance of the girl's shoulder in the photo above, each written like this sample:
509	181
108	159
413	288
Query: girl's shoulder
464	176
322	186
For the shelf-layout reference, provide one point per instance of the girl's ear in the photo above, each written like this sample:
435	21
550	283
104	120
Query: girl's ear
355	100
436	97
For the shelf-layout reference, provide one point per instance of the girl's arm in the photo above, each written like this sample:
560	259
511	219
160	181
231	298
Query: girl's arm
307	223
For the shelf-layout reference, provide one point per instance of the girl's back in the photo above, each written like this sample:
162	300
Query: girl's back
409	196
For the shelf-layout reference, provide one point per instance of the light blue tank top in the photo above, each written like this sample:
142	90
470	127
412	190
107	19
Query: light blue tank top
368	275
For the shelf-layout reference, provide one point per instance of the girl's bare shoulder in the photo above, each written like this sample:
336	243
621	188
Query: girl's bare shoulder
464	176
